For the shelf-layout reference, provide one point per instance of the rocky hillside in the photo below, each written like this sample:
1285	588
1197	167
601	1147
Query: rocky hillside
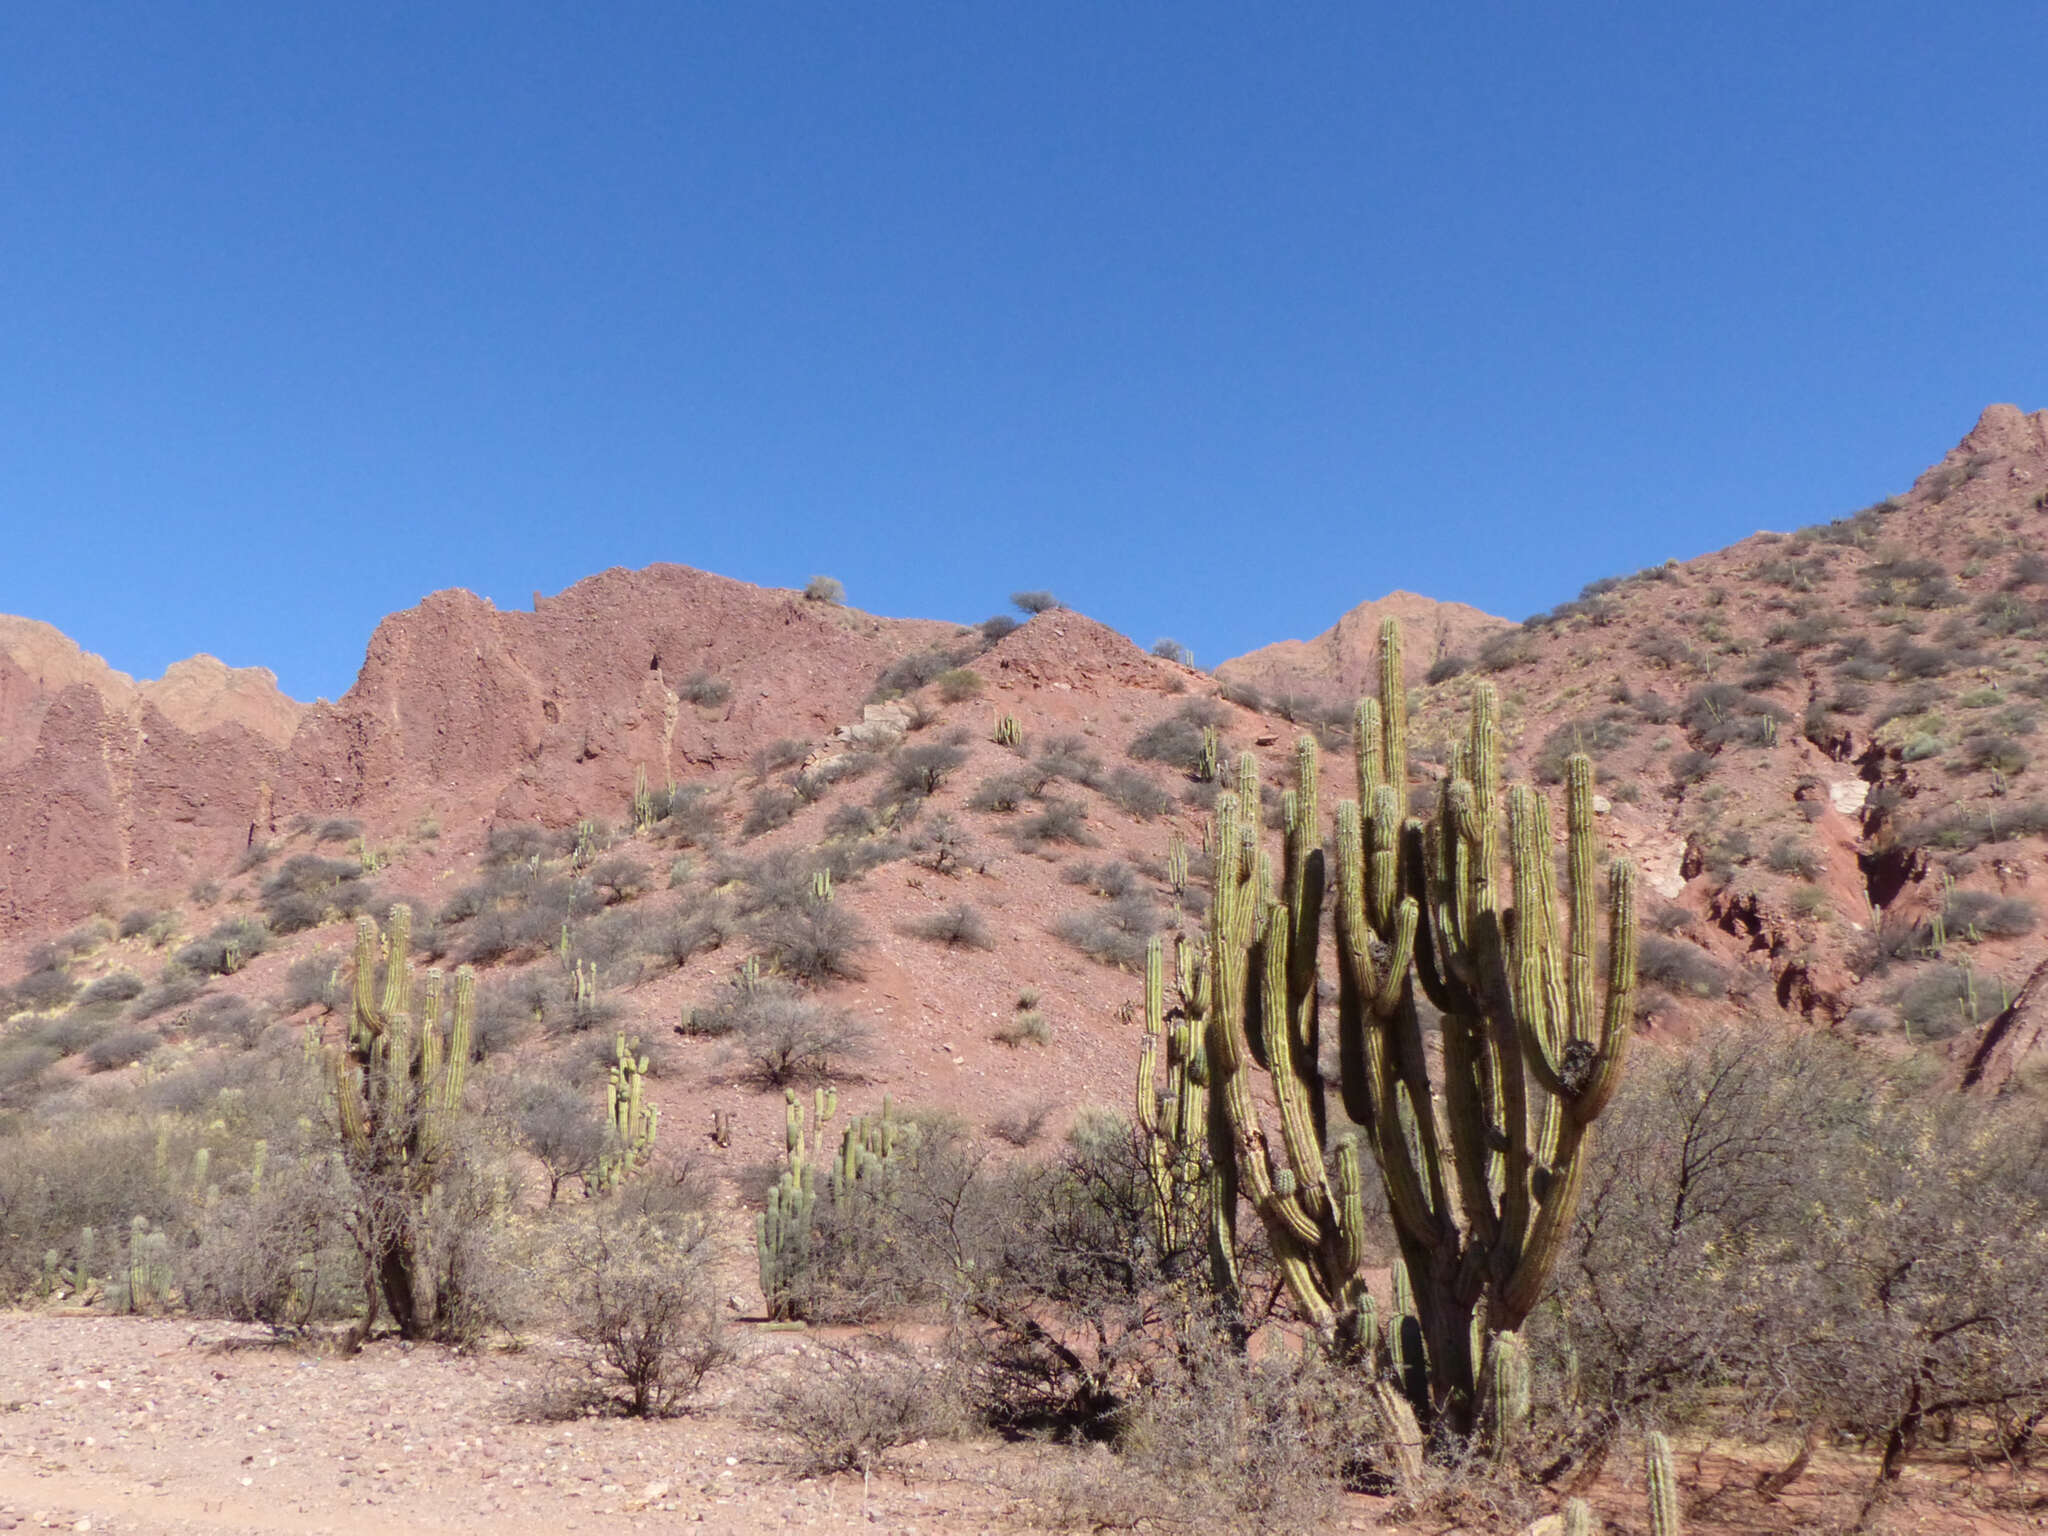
1823	747
1820	746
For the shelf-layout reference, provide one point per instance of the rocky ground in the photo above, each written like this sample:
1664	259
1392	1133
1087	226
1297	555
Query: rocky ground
174	1426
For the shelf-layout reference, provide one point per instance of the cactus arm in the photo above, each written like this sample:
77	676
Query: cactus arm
1394	706
1618	1022
1368	744
398	962
1297	1127
461	1038
430	1038
365	1021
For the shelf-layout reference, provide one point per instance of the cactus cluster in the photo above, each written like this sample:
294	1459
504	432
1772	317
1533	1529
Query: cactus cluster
1009	733
397	1084
784	1231
143	1284
631	1116
1481	1167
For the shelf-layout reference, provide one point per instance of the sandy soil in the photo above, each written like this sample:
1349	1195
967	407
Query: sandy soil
167	1425
152	1425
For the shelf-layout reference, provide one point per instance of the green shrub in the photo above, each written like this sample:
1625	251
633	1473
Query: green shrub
704	690
825	589
1028	1027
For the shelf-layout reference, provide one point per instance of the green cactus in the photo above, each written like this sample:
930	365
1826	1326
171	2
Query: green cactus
1209	762
644	817
633	1118
821	885
1575	1519
783	1231
144	1283
1507	1388
1009	733
1177	865
1661	1485
202	1165
1173	1114
1482	1167
397	1090
83	1261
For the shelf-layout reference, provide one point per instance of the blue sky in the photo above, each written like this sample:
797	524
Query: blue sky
1214	320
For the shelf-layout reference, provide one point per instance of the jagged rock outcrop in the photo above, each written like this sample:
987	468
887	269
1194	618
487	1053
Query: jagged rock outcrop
458	705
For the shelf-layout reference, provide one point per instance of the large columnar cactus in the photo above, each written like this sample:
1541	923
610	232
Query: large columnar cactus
1482	1166
397	1089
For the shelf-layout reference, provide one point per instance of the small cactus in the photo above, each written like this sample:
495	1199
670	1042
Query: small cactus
1177	864
1009	733
643	802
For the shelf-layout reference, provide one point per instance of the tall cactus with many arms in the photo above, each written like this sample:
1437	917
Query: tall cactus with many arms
1481	1169
397	1090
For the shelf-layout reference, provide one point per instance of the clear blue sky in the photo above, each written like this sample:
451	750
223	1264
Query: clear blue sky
1215	320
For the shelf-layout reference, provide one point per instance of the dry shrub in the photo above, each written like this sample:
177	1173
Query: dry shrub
1220	1442
642	1302
961	925
276	1254
846	1406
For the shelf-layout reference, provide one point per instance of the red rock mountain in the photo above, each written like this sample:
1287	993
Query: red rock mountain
523	715
1338	663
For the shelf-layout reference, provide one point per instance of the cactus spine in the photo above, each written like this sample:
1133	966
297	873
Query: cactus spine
1662	1485
397	1089
1481	1168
